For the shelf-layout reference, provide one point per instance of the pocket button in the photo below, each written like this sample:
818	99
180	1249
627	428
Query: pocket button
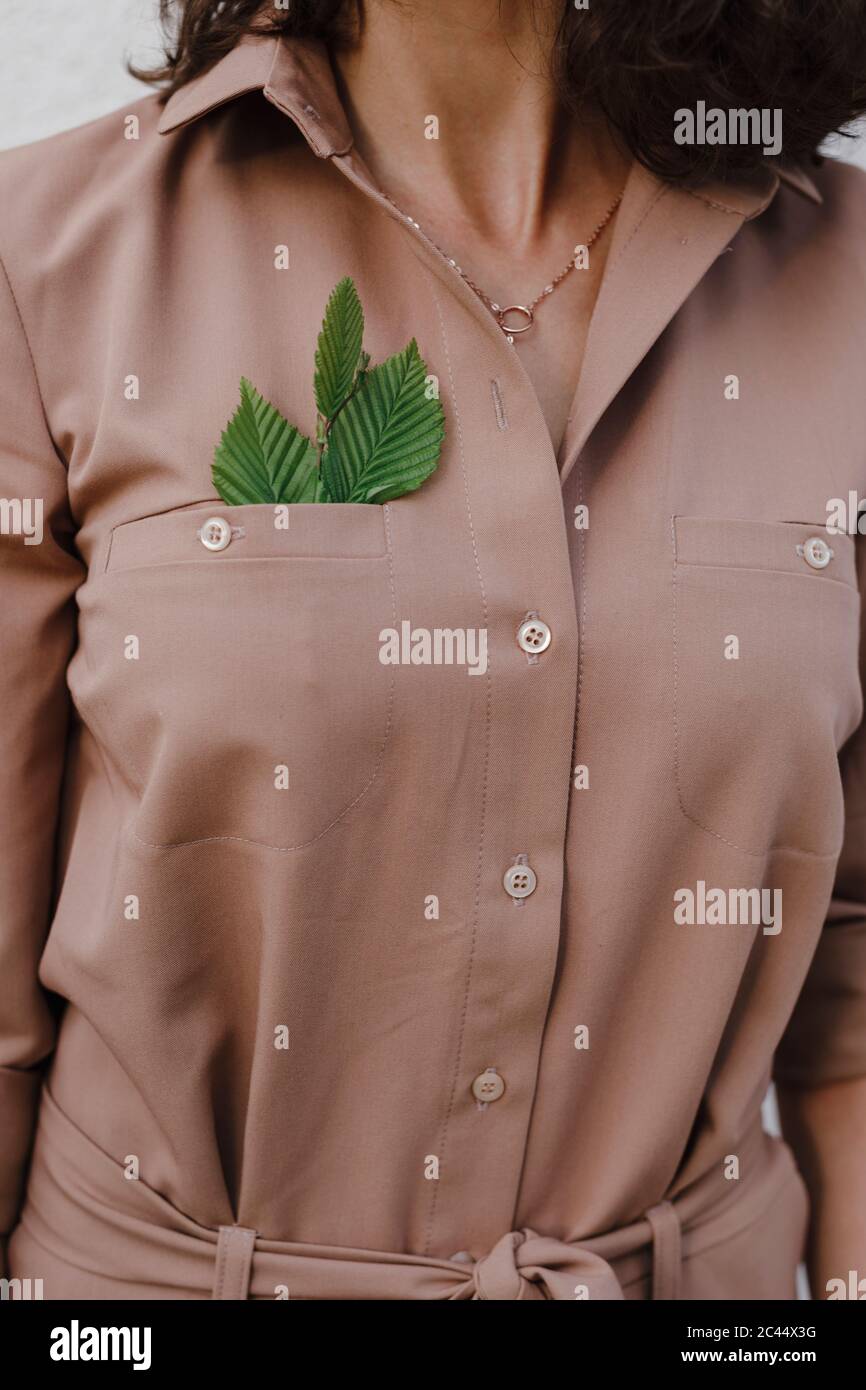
816	552
215	534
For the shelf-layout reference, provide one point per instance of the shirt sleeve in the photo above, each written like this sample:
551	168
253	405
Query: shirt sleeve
39	573
826	1037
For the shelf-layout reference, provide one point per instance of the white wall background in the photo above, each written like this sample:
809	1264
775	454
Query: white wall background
62	63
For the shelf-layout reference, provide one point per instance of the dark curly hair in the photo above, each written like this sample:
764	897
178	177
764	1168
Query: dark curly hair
638	61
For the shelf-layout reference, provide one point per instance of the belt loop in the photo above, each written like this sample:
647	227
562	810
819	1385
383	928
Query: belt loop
234	1259
666	1251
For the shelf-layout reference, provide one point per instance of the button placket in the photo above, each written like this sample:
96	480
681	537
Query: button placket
526	963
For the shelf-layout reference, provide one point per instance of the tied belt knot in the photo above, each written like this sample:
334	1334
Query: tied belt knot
523	1264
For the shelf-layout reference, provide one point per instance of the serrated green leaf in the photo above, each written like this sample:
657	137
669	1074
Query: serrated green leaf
338	352
387	439
262	458
321	492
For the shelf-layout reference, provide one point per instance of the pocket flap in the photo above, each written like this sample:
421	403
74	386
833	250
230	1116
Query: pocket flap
736	543
258	531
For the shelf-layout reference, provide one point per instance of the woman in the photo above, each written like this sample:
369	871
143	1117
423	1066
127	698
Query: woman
360	977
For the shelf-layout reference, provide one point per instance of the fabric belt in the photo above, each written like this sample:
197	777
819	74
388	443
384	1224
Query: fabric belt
520	1265
81	1208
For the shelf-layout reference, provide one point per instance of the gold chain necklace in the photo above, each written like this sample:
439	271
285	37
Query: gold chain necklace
526	310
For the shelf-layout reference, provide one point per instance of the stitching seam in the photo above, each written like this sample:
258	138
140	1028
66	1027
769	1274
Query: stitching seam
476	905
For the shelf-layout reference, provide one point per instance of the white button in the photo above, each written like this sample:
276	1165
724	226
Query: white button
816	552
488	1087
463	1257
533	636
519	881
215	534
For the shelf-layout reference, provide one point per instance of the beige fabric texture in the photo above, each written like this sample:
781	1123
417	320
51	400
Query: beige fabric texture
624	1156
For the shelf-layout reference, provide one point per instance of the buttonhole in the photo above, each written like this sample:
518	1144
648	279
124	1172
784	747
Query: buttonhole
498	405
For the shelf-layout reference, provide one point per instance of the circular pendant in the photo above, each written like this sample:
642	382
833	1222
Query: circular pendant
510	329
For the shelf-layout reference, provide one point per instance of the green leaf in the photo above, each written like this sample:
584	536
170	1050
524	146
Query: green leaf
262	458
338	352
387	439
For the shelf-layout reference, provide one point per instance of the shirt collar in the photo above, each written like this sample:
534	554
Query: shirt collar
797	178
296	76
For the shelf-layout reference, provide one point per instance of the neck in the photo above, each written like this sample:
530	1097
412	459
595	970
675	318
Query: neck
455	113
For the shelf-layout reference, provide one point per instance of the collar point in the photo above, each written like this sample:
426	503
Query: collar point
795	176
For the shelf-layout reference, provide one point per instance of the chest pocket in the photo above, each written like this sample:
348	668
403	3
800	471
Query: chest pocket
230	668
765	682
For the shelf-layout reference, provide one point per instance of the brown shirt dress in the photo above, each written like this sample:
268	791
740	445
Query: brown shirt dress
484	1002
